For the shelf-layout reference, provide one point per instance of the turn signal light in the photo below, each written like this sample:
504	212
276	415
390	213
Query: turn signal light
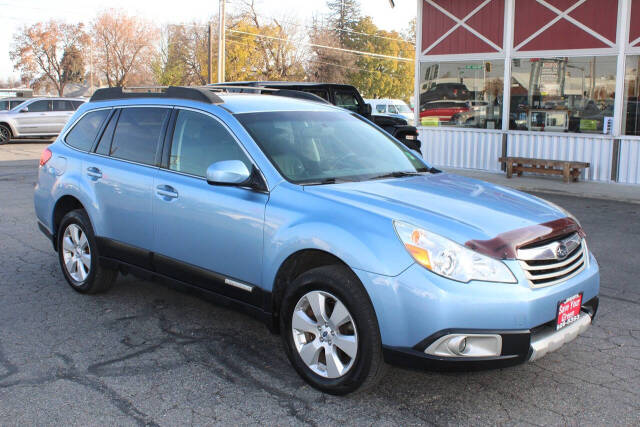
45	157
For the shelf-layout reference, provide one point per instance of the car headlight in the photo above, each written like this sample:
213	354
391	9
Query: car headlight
450	259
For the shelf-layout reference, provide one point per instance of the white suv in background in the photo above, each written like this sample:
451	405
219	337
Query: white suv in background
37	117
392	107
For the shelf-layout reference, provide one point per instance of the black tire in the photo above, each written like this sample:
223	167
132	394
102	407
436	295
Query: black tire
368	366
99	278
5	134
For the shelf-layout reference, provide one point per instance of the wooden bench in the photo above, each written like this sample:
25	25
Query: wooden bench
569	170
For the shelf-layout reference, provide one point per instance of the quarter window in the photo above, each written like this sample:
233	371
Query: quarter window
84	132
381	108
138	133
105	140
198	141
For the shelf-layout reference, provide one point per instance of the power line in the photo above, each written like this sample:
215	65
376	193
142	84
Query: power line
331	63
358	52
328	28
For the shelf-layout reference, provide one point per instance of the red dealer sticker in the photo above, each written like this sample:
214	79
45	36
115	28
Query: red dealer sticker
569	311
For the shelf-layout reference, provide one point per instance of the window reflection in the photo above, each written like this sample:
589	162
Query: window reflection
563	94
462	94
631	115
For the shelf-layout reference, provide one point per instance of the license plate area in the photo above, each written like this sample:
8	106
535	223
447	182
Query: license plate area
568	311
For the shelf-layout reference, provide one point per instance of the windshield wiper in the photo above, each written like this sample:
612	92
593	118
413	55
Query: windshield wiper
396	174
327	181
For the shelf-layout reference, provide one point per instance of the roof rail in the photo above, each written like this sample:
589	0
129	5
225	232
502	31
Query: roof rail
289	93
180	92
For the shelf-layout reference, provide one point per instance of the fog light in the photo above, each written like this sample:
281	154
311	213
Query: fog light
466	345
462	345
457	344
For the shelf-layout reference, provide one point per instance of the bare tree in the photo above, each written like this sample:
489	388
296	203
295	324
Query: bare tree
38	51
282	53
123	47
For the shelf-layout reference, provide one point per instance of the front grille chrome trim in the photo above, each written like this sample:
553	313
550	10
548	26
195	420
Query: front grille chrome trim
549	251
541	272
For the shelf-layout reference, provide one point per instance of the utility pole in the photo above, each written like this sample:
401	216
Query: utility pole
221	53
91	67
210	55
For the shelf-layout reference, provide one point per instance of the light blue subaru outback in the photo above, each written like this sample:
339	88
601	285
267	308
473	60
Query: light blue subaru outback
318	222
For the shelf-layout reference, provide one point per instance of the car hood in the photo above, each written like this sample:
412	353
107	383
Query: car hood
457	207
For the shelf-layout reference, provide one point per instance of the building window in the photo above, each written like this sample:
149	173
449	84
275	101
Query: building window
563	94
631	114
462	94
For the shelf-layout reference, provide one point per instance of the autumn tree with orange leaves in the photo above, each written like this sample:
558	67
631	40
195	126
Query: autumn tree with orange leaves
38	51
124	48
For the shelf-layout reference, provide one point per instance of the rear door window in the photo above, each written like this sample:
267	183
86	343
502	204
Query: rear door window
84	132
138	133
381	108
62	105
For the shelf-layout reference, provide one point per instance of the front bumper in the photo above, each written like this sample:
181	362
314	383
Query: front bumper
417	307
517	346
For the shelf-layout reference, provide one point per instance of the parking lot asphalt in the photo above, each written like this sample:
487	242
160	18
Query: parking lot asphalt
145	353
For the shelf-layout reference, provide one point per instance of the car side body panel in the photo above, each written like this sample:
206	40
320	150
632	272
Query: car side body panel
297	220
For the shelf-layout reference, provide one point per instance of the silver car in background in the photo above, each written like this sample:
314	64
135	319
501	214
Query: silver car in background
11	102
37	117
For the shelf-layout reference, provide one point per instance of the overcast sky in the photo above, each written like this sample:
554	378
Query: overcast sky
16	13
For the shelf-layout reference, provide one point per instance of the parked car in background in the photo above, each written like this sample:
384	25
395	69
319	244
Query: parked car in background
12	102
319	223
440	112
37	117
392	107
445	91
342	95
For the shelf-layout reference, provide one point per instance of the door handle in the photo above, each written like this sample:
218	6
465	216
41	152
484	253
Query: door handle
166	191
94	172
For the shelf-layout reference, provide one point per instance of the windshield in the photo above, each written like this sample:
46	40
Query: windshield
402	108
316	147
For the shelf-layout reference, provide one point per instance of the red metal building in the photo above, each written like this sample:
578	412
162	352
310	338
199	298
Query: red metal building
543	78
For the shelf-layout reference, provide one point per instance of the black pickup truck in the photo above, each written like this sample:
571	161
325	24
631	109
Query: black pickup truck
345	96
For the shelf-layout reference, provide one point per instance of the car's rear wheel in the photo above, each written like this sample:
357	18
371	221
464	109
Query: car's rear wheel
5	134
78	255
330	331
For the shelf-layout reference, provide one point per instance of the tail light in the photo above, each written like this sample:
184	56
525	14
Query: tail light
45	157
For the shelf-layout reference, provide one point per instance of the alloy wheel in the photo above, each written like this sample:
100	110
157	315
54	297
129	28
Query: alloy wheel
324	334
4	135
76	253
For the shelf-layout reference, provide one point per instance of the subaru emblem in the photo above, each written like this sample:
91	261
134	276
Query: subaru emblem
561	251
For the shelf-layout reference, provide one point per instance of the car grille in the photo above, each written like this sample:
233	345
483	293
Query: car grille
553	262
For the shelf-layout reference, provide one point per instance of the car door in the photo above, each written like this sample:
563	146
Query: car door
208	235
62	110
121	175
34	119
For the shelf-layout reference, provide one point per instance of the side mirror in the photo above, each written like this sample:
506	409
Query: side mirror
228	172
366	110
24	110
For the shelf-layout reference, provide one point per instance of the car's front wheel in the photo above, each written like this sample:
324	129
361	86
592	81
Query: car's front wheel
78	255
330	331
